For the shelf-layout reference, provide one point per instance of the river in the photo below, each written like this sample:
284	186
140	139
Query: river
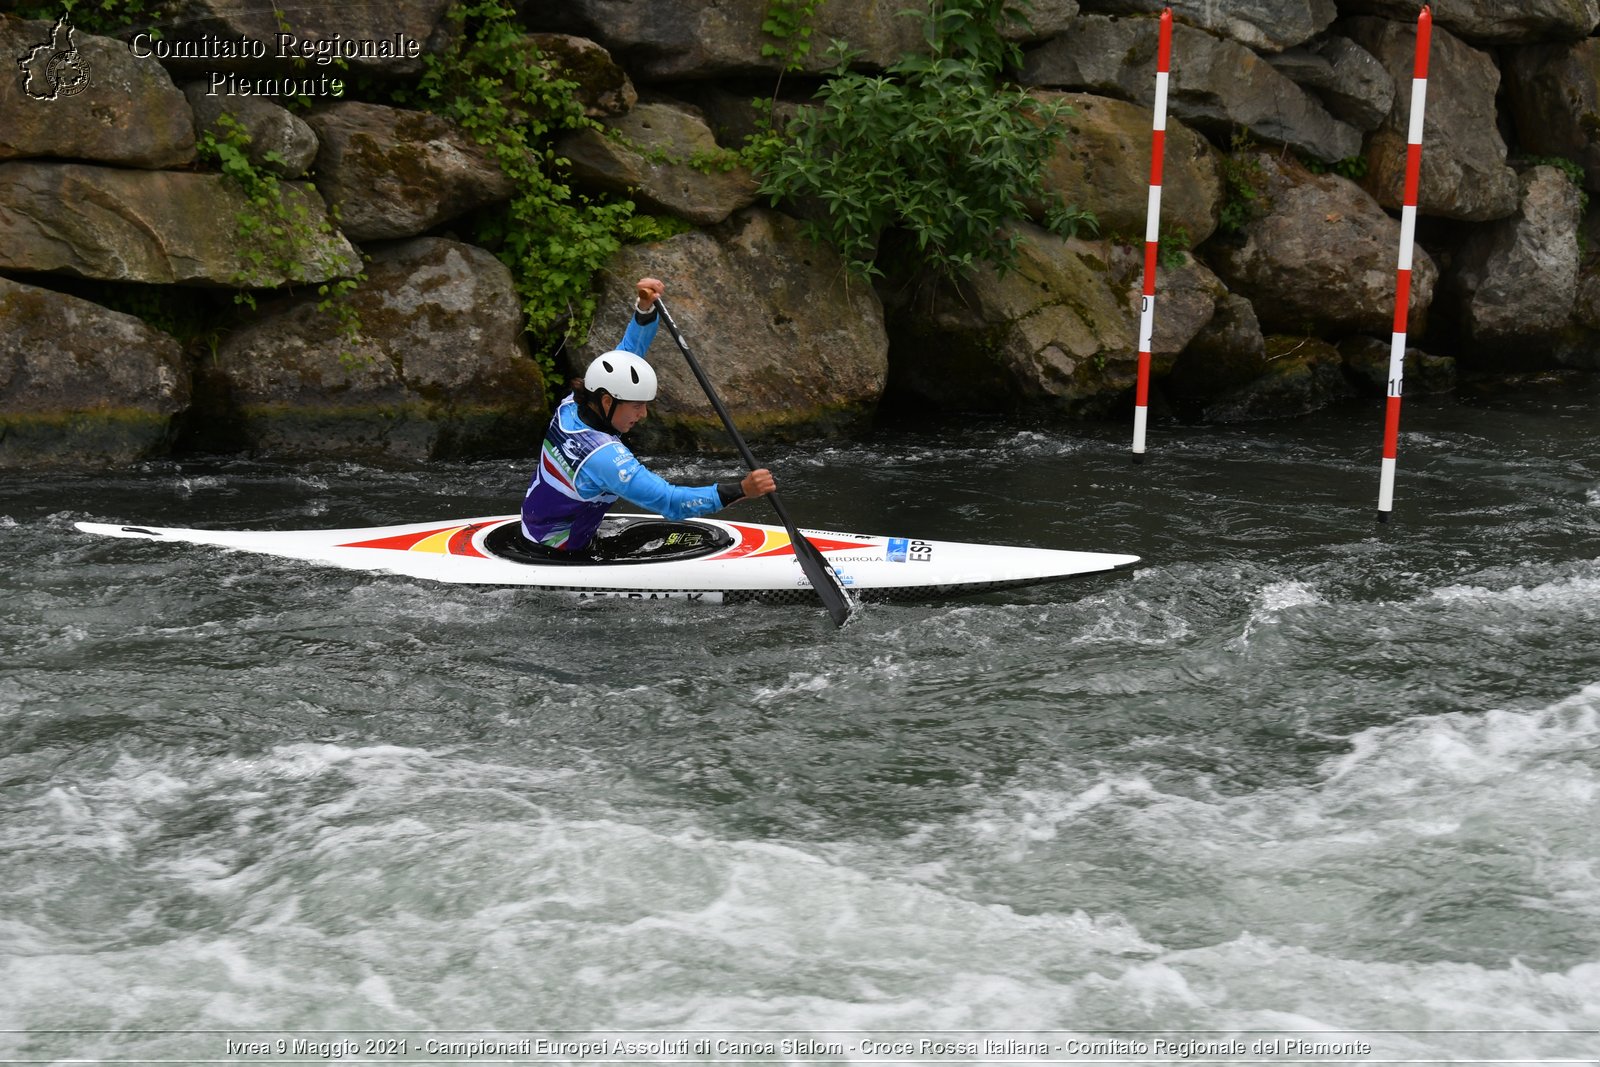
1300	785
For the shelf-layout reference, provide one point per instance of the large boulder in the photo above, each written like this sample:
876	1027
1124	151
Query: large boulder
79	96
1102	164
1321	254
1554	91
1187	295
1218	87
1265	25
389	172
160	226
438	369
793	346
1495	21
1502	310
603	86
691	39
280	142
1302	375
1366	361
1464	172
1056	335
662	156
80	385
1226	354
1347	78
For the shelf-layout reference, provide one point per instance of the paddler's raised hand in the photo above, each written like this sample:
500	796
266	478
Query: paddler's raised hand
646	292
758	483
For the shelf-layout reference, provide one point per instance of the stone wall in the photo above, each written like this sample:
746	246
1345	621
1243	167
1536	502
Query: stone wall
1284	163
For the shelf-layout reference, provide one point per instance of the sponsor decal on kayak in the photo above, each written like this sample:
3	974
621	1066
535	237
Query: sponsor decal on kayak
648	594
903	549
844	579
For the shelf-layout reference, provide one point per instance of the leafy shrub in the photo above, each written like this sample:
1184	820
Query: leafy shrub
936	153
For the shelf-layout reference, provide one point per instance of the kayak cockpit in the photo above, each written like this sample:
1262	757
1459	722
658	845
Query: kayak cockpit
620	539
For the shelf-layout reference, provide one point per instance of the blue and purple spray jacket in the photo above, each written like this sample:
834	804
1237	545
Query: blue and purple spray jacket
582	471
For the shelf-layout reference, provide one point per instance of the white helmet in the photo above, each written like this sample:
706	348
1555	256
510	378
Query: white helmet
623	375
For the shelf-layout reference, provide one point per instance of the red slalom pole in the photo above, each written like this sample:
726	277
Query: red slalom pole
1152	238
1402	285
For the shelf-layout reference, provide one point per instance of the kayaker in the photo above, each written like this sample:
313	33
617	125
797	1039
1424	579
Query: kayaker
584	467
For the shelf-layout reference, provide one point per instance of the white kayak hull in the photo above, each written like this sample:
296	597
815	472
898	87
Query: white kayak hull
749	561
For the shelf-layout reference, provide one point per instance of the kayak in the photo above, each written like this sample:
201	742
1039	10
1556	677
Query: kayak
646	557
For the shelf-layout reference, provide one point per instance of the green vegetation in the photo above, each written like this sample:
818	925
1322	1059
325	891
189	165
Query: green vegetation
789	23
1243	185
278	233
1352	167
931	160
96	16
495	84
1175	243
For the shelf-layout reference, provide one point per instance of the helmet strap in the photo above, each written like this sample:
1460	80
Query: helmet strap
595	414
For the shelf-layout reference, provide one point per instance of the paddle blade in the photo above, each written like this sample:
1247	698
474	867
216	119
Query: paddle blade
823	580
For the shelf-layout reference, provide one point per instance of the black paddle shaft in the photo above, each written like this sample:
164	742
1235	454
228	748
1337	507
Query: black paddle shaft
817	570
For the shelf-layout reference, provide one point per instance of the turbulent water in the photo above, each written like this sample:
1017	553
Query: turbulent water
1297	778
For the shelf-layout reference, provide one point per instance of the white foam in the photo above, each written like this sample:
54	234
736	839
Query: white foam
1273	600
794	685
1578	592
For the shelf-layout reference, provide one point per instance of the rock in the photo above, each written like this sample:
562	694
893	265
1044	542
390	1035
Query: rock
1056	335
440	368
1321	256
1554	91
1102	164
156	226
793	347
1303	375
1582	348
664	157
1367	361
1494	21
693	40
1187	293
604	87
1265	25
734	116
1347	78
80	385
1226	354
127	110
1578	347
389	172
1464	171
1586	308
367	38
1218	86
280	142
1497	265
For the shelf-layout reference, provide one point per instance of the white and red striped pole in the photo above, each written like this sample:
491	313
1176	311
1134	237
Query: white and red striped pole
1152	238
1402	285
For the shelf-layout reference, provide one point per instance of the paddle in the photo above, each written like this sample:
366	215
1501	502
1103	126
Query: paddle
817	570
